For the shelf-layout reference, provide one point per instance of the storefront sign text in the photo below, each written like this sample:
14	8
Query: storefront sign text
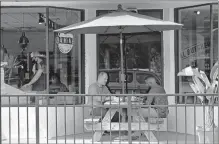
65	42
196	49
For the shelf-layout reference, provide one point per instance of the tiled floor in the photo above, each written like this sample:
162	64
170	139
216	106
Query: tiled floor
86	138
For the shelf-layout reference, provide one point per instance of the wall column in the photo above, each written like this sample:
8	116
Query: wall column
90	53
169	66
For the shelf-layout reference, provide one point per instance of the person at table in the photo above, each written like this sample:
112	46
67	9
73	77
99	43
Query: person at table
154	112
155	88
56	85
98	88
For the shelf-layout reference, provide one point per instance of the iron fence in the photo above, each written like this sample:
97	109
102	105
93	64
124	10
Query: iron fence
59	119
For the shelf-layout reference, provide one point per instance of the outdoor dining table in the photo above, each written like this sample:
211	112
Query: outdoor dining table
138	122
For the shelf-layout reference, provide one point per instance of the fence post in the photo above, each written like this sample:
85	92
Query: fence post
129	120
37	120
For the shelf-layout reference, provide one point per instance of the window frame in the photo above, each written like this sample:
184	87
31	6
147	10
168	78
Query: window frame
176	44
82	41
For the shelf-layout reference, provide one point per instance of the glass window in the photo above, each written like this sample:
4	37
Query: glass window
141	51
140	77
195	48
129	77
114	77
22	34
66	51
24	42
214	33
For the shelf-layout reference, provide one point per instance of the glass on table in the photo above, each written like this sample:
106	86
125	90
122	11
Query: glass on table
136	98
117	99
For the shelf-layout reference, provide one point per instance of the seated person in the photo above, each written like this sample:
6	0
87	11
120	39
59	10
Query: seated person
155	112
97	88
56	85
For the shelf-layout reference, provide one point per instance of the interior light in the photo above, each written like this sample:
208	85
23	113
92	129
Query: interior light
197	12
41	19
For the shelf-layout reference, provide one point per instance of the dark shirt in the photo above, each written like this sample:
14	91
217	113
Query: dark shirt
158	100
40	84
58	87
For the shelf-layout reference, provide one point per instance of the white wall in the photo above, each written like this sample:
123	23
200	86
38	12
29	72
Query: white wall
90	53
169	66
74	122
187	121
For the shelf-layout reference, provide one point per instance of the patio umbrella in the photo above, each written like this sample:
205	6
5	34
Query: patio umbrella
120	21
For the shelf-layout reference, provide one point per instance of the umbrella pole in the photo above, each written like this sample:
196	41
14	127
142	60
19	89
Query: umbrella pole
125	65
122	67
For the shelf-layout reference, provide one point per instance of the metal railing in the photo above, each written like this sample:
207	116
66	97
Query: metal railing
57	119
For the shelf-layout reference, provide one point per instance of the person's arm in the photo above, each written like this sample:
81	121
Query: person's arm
63	88
36	77
154	91
92	91
107	98
150	98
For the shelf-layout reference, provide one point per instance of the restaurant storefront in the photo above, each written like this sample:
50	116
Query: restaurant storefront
196	44
73	66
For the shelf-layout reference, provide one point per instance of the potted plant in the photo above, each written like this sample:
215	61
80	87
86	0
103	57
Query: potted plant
202	85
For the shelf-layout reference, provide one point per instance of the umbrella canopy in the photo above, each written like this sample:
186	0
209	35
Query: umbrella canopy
120	21
136	39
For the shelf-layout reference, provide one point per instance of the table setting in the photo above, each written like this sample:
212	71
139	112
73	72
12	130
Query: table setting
116	100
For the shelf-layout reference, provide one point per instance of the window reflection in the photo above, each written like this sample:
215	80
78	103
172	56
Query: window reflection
140	77
23	67
20	25
198	43
66	51
113	77
215	33
141	51
129	77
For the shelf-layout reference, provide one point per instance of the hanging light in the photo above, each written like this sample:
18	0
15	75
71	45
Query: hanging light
197	12
41	19
23	41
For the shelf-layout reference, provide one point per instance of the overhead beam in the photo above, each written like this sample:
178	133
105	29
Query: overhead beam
111	4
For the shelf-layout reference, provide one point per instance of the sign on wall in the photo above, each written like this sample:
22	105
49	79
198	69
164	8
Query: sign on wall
65	42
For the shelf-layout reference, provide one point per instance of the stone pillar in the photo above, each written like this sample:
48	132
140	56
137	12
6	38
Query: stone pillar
169	66
90	53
